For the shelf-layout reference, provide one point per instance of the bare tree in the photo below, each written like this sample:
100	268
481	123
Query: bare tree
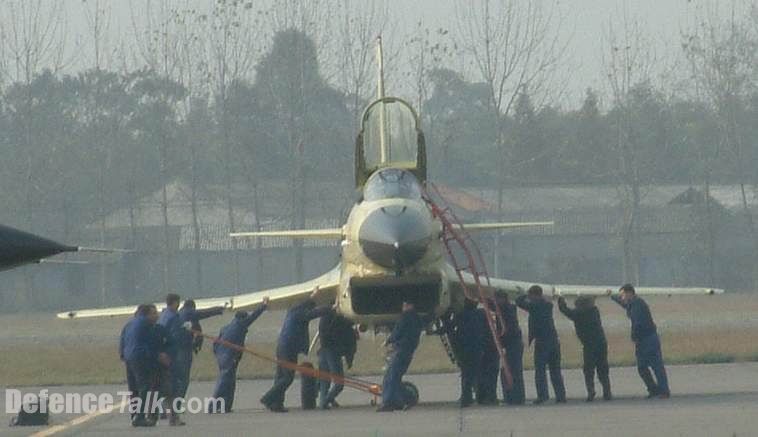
33	38
158	47
194	74
723	56
511	45
629	61
98	21
234	35
358	25
312	19
426	50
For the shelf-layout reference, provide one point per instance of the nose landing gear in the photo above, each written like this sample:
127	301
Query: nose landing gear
410	394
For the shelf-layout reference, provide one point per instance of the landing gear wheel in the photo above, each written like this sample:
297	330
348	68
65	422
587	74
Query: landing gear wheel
410	394
308	389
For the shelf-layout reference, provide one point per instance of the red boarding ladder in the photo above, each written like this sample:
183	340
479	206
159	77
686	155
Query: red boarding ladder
465	256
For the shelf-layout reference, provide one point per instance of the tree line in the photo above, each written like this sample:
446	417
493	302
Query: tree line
243	95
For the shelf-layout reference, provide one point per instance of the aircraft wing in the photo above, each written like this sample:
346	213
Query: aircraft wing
280	298
128	310
473	227
284	297
297	233
513	288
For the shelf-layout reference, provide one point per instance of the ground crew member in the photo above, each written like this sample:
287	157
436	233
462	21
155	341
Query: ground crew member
469	338
513	343
647	344
402	344
486	393
294	339
163	346
173	331
131	382
137	353
185	343
338	340
547	348
589	329
228	359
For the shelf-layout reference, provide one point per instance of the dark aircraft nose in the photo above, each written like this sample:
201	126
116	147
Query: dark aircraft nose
395	236
19	247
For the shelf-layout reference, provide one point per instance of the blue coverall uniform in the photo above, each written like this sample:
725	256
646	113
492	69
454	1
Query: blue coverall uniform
486	393
468	339
589	329
338	340
647	346
172	326
547	348
513	343
228	359
137	351
182	363
294	339
161	342
403	341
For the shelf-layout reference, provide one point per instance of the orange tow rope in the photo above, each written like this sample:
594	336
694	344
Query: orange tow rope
358	384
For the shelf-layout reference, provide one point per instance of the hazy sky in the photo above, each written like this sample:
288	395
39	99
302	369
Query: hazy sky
585	23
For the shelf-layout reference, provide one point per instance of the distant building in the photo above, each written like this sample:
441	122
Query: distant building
685	240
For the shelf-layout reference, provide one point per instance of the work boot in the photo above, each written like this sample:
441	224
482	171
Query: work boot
607	396
139	421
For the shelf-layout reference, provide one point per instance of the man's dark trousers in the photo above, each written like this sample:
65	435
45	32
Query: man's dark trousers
596	357
392	390
649	356
514	356
329	360
282	380
547	356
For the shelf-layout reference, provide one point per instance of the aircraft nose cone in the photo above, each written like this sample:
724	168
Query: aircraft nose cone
395	236
19	247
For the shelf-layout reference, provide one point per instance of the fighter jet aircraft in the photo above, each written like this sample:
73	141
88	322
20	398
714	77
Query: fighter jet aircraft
18	248
392	245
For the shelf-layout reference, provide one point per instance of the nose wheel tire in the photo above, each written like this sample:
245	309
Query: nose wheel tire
410	392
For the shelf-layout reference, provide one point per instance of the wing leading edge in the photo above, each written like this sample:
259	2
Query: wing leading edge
280	298
512	288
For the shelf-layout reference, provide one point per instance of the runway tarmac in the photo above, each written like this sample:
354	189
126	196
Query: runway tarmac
708	400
